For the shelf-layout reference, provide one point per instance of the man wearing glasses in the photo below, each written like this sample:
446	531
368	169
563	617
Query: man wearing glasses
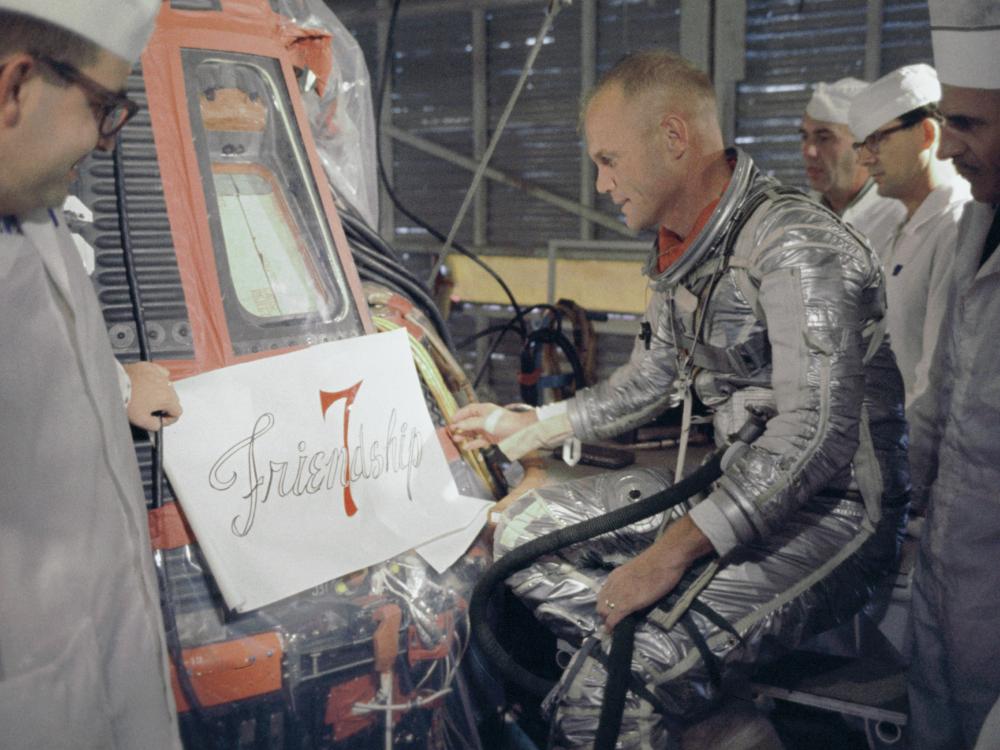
954	674
82	652
835	178
898	132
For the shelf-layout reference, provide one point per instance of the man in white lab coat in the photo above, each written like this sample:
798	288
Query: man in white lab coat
836	179
897	134
82	652
955	670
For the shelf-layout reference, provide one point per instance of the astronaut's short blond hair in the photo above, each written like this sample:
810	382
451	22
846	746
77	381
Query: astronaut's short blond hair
658	74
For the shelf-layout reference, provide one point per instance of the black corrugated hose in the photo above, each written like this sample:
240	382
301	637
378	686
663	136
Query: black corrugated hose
616	688
523	556
139	315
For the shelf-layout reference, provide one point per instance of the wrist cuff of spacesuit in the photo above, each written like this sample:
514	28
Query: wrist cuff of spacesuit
713	523
547	411
727	524
546	433
709	517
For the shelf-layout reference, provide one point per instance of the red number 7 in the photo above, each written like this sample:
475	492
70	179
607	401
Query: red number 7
326	399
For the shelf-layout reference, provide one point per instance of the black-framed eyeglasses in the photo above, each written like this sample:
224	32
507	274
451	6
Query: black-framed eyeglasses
874	142
111	108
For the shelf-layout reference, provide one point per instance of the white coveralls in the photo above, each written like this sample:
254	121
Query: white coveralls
917	280
82	652
954	675
875	216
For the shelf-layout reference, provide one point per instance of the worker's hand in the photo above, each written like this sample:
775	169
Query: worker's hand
151	392
479	425
651	575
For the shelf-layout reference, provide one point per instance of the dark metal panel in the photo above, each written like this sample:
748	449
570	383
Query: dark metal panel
166	314
540	142
432	98
790	46
906	35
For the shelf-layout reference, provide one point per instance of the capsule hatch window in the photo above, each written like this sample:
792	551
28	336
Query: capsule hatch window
281	279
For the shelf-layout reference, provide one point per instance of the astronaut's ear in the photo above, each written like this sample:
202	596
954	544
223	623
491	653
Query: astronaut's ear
14	73
675	132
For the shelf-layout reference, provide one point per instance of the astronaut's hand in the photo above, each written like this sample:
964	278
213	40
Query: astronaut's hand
151	392
479	425
652	574
635	585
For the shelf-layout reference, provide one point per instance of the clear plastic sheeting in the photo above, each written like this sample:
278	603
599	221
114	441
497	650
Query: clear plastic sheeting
340	114
238	253
367	661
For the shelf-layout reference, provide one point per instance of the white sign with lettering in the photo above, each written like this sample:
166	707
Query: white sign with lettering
297	469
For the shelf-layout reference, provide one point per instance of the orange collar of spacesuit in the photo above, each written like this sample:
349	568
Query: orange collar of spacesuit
669	245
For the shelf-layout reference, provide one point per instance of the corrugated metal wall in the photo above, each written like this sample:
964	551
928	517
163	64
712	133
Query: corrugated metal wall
433	95
624	27
540	143
432	98
793	44
906	34
790	45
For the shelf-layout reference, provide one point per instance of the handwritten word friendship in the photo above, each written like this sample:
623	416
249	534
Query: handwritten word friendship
249	463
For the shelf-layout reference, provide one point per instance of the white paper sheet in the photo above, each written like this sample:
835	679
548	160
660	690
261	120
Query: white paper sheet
297	469
445	550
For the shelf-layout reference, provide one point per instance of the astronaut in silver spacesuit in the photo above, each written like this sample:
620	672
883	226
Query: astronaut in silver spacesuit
759	297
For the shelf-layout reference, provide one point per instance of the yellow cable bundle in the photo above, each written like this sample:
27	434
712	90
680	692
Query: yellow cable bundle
445	401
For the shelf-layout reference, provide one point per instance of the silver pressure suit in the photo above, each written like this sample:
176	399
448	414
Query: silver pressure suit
774	302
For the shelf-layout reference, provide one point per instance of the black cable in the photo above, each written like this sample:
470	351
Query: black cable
139	316
521	557
502	326
367	275
616	690
407	290
409	287
364	238
128	257
384	257
493	347
529	393
387	64
355	225
359	233
479	334
503	330
374	261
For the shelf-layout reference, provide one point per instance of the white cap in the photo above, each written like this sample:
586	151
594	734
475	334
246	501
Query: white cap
831	101
966	39
892	95
122	27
